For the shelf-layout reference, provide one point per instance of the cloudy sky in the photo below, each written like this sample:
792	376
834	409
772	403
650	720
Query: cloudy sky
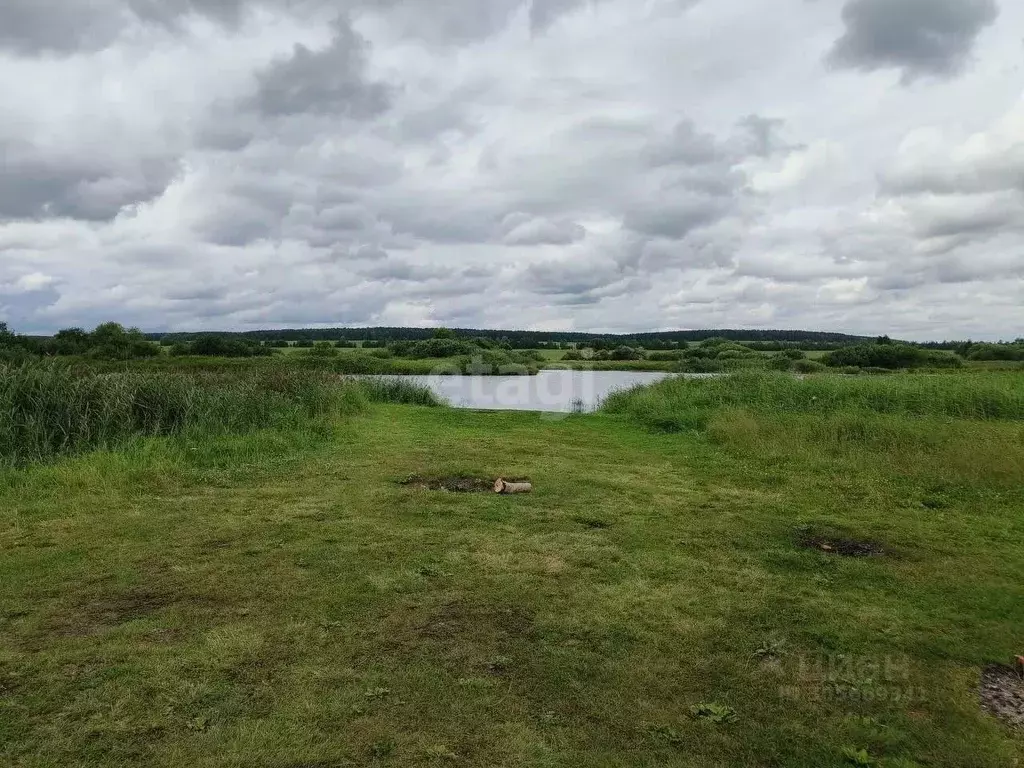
597	165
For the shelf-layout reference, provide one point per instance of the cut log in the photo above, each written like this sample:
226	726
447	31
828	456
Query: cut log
503	486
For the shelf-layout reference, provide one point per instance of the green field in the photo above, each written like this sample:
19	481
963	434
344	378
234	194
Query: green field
671	594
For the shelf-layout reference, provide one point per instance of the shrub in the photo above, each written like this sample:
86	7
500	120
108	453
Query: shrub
219	346
808	366
1013	351
111	341
434	348
627	353
323	349
892	356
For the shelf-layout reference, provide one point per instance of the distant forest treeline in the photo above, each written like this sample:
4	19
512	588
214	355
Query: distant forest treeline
529	339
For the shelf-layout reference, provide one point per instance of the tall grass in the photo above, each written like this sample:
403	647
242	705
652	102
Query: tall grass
397	390
940	428
687	403
48	409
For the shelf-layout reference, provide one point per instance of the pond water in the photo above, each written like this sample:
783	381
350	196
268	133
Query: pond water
553	391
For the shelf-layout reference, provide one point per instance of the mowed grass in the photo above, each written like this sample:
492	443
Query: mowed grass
281	599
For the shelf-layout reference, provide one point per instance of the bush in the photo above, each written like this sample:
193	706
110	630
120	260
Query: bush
323	349
891	356
219	346
808	366
434	348
1004	352
111	341
627	353
780	363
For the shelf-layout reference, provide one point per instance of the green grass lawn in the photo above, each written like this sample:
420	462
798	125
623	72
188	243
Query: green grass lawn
280	599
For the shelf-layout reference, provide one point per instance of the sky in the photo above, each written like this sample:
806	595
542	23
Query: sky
587	165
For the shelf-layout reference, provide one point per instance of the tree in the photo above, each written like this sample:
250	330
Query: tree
114	342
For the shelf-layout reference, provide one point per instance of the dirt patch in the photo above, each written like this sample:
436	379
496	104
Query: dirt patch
841	545
594	523
103	612
456	484
1002	694
458	631
460	618
114	610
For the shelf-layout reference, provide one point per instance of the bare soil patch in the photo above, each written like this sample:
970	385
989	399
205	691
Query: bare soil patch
456	483
458	630
93	615
107	611
1002	694
843	546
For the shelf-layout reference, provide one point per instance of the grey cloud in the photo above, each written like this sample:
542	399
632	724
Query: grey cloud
543	13
995	172
238	221
329	81
346	217
919	37
64	26
675	220
370	252
463	21
346	253
169	11
196	294
898	281
584	280
225	133
571	276
400	269
970	222
523	229
658	255
762	136
37	185
30	27
685	145
445	218
451	21
61	26
712	180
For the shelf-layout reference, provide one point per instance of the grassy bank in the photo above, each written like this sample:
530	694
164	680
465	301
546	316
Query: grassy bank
284	598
